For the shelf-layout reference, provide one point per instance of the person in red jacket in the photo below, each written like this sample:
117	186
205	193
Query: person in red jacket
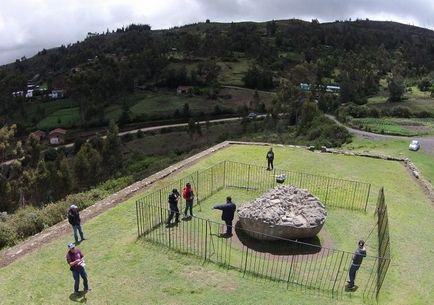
188	195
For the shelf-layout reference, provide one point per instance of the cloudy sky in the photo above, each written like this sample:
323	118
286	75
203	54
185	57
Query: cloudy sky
27	26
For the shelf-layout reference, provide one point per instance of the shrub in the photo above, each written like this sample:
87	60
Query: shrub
27	222
401	112
7	235
423	114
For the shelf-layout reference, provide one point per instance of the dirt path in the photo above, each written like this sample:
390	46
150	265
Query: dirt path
36	241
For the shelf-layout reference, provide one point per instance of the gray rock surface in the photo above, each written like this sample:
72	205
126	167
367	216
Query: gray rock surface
283	212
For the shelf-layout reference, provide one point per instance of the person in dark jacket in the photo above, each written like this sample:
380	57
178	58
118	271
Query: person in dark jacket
228	212
358	256
188	195
74	220
270	159
173	206
75	260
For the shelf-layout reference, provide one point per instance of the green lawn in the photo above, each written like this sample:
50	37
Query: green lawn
65	118
399	148
123	270
232	73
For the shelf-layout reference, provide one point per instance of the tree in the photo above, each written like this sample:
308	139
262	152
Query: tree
112	152
33	150
396	88
186	113
7	142
87	167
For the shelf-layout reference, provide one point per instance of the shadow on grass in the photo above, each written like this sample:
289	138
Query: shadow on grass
279	247
79	297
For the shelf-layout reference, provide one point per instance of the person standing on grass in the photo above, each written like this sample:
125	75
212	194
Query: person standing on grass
173	206
270	159
188	195
75	221
228	212
75	260
358	256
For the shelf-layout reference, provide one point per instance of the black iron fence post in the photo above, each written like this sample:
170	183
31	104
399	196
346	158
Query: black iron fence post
337	272
367	197
206	238
245	262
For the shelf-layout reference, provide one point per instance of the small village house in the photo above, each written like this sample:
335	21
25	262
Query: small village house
184	90
39	134
57	136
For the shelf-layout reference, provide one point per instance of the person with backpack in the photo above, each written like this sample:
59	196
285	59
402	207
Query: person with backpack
75	221
228	211
75	260
188	195
270	159
173	206
358	256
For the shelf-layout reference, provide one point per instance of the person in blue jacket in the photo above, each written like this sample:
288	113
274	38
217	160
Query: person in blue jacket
228	212
358	256
173	207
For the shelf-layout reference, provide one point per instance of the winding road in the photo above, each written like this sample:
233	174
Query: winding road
426	142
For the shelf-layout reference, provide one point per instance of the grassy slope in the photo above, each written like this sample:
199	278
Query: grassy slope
423	161
123	270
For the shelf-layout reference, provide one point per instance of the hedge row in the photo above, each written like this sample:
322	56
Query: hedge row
29	221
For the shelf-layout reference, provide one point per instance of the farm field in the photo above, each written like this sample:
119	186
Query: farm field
124	270
395	126
66	114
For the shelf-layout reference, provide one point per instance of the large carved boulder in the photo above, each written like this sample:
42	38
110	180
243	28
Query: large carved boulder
283	212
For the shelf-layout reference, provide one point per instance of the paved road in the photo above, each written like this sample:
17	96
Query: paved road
426	142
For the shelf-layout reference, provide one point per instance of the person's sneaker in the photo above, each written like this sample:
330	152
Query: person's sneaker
87	289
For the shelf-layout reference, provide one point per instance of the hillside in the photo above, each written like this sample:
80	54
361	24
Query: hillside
102	74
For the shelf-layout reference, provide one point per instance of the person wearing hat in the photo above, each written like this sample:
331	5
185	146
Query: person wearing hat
75	260
173	206
228	211
74	220
358	256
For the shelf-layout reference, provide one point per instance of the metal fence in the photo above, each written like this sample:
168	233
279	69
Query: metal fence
383	239
286	262
293	263
332	192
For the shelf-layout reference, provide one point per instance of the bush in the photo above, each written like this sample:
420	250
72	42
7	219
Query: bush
27	222
402	112
7	235
423	114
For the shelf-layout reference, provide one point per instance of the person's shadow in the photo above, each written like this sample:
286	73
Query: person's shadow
353	289
79	297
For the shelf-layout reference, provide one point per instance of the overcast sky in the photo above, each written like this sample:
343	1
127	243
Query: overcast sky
28	26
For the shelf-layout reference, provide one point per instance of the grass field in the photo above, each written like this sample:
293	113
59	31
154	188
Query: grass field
232	73
396	126
422	160
415	100
65	118
124	270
